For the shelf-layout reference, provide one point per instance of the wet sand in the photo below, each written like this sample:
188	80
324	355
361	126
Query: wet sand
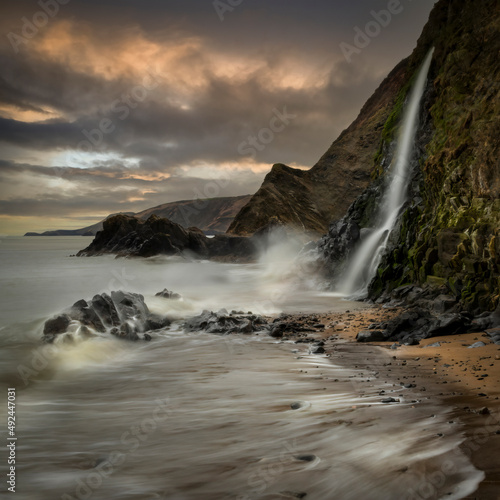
466	380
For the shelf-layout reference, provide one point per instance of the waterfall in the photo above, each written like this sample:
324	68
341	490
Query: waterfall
363	264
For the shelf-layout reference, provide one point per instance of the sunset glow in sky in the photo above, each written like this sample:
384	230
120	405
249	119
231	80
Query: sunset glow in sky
121	105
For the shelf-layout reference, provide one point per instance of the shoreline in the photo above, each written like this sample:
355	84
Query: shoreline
464	380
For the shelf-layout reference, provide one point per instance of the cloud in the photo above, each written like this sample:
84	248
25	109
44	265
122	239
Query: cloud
125	100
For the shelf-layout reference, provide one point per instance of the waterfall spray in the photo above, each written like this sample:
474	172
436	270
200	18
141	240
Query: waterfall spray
363	265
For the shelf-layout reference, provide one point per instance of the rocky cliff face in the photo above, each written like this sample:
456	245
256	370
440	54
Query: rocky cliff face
448	236
125	235
310	199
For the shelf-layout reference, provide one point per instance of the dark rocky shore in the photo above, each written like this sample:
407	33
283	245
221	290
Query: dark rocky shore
125	235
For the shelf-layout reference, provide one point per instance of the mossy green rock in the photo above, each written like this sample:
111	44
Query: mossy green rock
460	184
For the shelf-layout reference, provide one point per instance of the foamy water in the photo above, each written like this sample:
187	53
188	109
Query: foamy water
198	416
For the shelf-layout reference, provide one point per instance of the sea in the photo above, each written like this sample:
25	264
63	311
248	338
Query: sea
196	416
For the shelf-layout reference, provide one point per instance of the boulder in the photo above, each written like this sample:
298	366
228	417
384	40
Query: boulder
476	344
56	325
371	336
317	349
83	312
122	314
223	323
494	334
449	324
167	294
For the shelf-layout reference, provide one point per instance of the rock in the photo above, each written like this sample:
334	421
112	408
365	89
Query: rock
121	314
390	400
223	323
394	346
494	333
484	411
317	349
371	336
341	239
449	324
167	294
155	322
83	312
105	308
435	344
126	235
443	303
56	325
125	333
278	329
476	344
306	458
410	341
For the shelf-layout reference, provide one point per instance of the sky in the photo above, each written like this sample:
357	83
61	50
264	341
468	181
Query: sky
120	105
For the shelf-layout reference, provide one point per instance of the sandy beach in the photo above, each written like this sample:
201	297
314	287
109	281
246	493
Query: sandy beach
466	380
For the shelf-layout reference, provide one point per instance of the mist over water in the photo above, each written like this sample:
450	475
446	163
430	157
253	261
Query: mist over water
199	416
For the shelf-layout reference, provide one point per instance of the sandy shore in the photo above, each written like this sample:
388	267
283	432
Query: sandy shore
466	380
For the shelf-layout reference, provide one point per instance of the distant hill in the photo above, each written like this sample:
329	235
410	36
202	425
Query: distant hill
212	215
209	215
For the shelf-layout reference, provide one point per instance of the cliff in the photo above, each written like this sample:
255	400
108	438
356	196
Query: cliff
128	236
448	237
310	199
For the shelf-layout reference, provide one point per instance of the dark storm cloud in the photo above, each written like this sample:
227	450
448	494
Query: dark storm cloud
177	87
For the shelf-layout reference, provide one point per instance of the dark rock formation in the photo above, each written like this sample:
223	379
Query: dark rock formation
223	323
122	314
167	294
416	324
371	336
128	236
56	325
310	199
448	235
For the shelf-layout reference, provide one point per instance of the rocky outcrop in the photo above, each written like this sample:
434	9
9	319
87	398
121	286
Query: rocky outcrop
417	323
223	323
122	314
310	199
448	236
167	294
128	236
